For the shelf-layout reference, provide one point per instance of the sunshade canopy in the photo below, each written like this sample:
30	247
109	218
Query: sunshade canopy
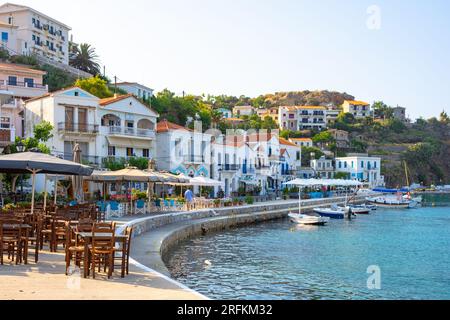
205	182
132	174
323	182
26	162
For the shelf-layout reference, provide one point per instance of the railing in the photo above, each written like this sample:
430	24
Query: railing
194	159
94	161
78	127
22	84
229	167
147	133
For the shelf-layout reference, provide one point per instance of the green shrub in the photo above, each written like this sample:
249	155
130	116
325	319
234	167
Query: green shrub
249	200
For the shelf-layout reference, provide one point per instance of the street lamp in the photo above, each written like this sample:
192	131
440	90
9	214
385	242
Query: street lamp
20	147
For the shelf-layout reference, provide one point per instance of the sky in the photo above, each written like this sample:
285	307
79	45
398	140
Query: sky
397	51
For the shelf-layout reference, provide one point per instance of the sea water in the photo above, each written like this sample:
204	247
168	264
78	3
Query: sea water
409	251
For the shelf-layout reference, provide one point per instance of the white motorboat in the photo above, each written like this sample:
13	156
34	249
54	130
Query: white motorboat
360	209
393	202
307	219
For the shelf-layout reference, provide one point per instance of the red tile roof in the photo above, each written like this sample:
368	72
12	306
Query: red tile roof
166	126
116	98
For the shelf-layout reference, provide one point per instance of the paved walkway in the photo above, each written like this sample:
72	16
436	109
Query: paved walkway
47	280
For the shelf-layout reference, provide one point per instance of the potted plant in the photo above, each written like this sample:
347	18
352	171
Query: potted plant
216	203
249	200
235	201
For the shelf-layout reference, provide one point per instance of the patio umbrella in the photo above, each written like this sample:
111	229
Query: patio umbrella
77	181
40	163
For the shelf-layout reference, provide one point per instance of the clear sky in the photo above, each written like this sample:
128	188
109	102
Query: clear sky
252	47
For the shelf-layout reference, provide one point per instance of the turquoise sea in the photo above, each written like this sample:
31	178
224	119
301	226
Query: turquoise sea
279	260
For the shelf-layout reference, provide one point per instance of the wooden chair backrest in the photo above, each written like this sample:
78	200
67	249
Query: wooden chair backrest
99	241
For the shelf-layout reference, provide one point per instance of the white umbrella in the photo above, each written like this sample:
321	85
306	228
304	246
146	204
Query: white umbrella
205	182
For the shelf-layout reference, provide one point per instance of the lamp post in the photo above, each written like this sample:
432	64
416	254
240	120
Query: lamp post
20	148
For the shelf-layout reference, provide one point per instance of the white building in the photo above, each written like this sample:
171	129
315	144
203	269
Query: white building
302	142
128	127
359	109
182	150
290	159
139	90
33	32
303	118
361	167
73	113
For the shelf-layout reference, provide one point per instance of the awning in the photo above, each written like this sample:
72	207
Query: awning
128	143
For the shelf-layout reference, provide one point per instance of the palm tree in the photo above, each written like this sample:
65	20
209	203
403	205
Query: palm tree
85	58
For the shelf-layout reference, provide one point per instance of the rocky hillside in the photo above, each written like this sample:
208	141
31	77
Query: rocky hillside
313	98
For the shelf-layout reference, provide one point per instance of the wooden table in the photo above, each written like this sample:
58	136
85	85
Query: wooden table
87	237
25	229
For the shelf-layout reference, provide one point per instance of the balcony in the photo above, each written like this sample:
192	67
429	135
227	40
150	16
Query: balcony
192	159
24	89
93	161
229	167
132	132
77	128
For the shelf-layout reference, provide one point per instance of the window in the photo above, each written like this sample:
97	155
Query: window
33	20
130	152
375	165
5	123
345	165
146	153
33	37
4	36
362	164
12	81
10	20
76	93
298	156
111	151
29	82
340	165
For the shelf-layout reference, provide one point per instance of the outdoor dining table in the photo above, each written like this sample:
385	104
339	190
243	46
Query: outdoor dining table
25	229
87	237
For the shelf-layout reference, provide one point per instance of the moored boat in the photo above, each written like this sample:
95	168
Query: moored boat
390	202
335	212
308	220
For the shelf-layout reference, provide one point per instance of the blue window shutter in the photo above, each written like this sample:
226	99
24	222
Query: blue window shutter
5	36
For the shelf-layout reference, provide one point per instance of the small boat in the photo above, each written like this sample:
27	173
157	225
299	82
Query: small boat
360	209
335	212
308	220
391	202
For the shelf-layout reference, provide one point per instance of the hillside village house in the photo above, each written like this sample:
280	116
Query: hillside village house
332	115
302	142
290	159
36	33
302	118
272	113
226	113
359	109
138	90
128	127
341	137
240	111
399	113
361	167
182	150
17	84
323	168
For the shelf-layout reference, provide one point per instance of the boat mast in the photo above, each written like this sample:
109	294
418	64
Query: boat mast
406	174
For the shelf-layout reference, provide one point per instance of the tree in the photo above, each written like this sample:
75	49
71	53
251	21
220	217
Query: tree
83	57
323	138
382	110
95	86
42	132
306	155
444	118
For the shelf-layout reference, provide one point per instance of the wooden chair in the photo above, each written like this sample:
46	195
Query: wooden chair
59	233
34	237
102	248
11	240
124	251
46	234
74	248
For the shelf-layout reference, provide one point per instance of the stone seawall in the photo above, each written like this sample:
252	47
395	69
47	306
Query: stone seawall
156	235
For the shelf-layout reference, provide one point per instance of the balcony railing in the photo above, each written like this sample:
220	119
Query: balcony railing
78	127
22	84
89	160
133	132
229	167
193	159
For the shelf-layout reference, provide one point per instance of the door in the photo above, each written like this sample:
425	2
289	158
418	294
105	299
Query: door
82	120
69	119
